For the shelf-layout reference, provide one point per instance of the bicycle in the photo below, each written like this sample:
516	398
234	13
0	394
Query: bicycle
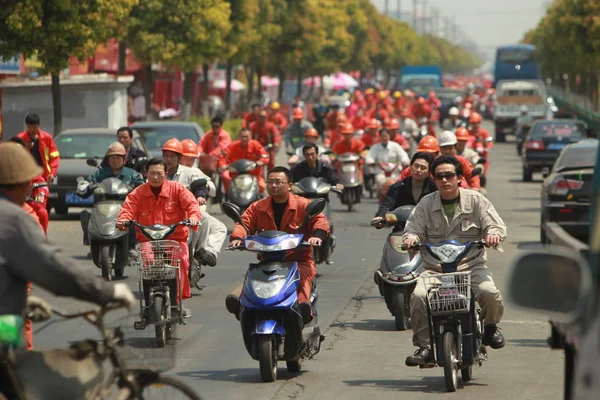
133	373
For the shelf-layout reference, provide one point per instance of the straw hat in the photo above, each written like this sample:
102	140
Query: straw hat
16	164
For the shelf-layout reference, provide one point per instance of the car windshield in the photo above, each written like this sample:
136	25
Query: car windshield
516	56
577	158
571	129
420	83
83	146
156	136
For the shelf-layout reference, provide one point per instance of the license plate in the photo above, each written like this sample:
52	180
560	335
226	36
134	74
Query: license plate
348	168
72	198
445	292
556	146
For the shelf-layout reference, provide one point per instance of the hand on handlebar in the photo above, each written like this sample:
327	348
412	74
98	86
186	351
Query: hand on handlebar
378	222
37	309
123	295
235	243
315	241
410	241
194	221
492	240
122	225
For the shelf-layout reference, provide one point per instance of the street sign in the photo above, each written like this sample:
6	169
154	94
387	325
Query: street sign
10	66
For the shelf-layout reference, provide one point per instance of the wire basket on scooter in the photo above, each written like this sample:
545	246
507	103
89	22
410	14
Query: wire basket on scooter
448	293
158	259
139	350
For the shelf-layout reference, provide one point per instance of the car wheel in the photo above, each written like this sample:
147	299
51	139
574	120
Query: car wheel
543	236
527	175
500	137
61	209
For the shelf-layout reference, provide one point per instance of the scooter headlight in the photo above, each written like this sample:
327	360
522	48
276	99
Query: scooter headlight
447	253
243	182
396	243
266	290
287	244
157	234
107	210
323	189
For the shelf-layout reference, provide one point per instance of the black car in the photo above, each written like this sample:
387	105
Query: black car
545	140
76	146
156	133
567	190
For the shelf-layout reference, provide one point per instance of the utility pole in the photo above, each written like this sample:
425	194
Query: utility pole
399	9
415	16
387	8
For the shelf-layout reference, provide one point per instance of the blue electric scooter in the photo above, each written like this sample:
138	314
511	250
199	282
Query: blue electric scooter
272	324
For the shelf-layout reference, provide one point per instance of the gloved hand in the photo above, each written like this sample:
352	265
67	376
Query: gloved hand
37	309
82	187
123	294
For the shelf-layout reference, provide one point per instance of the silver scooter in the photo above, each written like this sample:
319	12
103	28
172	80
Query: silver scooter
397	274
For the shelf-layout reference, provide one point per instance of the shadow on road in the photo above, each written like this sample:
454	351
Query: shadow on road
64	217
517	180
428	384
238	375
381	325
529	209
529	342
528	245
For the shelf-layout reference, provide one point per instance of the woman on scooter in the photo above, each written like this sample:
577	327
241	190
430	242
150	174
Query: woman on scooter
408	191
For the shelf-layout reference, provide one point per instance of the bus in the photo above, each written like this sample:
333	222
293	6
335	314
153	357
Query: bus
516	62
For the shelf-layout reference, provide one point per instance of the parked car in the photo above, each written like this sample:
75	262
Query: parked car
567	190
76	146
156	133
545	140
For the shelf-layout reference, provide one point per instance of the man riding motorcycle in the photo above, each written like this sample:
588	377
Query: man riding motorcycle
285	212
27	256
190	154
313	167
448	148
349	144
133	154
215	141
371	135
453	121
116	156
394	127
211	235
310	136
462	146
454	213
266	134
483	139
408	191
294	135
161	201
248	149
386	151
277	117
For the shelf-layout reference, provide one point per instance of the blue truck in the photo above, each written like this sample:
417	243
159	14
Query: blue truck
420	79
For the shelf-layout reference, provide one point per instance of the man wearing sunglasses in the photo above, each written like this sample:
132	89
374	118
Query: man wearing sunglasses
454	213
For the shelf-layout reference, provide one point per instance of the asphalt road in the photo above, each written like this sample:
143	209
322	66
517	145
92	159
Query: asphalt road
362	356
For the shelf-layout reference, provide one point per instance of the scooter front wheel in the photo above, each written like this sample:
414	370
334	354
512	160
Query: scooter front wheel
160	325
294	366
401	310
450	362
267	358
105	262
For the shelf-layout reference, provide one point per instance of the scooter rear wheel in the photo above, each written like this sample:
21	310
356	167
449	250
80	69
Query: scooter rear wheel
267	358
450	359
105	262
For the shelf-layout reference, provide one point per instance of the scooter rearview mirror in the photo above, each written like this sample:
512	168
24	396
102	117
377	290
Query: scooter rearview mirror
91	162
391	219
315	208
477	171
234	212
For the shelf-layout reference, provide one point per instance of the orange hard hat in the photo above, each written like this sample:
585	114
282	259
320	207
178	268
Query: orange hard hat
347	129
297	113
311	132
173	145
189	148
462	133
341	118
421	100
475	118
393	124
373	124
429	144
432	94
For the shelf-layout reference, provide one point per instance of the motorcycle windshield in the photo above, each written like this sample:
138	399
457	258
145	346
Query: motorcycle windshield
272	241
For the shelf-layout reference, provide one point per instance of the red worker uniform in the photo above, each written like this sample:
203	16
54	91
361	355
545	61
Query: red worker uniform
421	109
48	152
356	146
28	330
369	140
467	181
259	217
38	205
208	144
173	204
266	133
280	122
249	119
253	152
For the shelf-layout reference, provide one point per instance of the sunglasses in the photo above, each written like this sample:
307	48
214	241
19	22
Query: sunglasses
445	175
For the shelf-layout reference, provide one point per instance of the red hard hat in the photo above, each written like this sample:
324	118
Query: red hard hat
429	144
432	94
348	129
373	124
475	118
173	145
462	134
311	132
393	124
297	113
189	148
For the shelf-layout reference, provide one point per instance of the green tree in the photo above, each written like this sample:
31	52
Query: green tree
55	30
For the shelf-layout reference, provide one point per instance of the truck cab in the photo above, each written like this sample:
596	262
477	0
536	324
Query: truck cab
511	96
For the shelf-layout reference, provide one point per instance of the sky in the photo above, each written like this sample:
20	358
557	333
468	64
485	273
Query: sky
489	23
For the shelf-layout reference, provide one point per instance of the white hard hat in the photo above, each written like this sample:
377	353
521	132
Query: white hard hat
447	138
453	111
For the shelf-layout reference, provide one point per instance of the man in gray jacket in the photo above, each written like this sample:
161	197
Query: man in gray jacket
294	135
453	213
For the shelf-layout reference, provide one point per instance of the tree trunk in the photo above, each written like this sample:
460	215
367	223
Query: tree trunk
250	94
122	58
322	86
56	104
228	77
259	74
205	108
299	85
188	94
281	83
148	89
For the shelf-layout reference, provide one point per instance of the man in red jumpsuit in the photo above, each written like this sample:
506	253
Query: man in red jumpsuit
371	135
266	133
244	149
252	116
283	211
483	140
393	126
421	109
350	144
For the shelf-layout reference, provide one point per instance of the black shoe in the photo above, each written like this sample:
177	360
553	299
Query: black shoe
232	303
493	337
422	356
306	312
206	257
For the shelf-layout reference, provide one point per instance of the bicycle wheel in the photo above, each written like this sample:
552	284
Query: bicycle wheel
165	387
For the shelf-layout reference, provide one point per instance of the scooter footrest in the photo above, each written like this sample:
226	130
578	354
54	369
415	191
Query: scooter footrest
139	325
425	366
